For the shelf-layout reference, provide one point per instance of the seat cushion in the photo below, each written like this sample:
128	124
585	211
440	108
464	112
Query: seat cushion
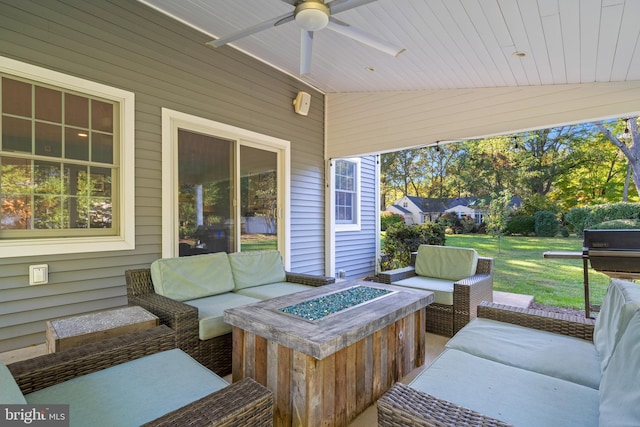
517	396
620	304
192	277
132	393
560	356
10	393
442	289
256	268
211	312
273	290
620	386
446	262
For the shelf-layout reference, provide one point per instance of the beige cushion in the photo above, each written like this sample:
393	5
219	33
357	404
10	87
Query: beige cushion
256	268
442	289
211	312
620	304
620	386
192	277
557	355
132	393
446	262
10	393
273	290
519	397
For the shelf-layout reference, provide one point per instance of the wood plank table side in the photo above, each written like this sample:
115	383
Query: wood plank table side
328	371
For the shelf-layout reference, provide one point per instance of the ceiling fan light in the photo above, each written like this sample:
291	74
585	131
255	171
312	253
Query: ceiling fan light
312	15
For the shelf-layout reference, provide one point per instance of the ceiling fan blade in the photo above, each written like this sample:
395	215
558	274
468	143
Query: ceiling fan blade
337	6
306	46
291	2
251	30
365	38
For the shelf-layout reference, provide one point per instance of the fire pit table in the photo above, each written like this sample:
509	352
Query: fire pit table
329	352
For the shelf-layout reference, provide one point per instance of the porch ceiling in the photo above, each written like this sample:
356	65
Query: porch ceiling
460	76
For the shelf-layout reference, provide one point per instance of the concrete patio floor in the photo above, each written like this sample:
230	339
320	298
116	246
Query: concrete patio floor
434	346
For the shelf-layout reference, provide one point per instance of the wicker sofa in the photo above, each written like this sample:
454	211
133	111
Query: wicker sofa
190	294
531	368
135	379
459	279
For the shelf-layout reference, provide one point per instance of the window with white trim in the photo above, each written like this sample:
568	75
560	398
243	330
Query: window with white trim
346	181
62	174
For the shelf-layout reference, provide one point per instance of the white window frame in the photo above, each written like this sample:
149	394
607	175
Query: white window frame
125	235
172	121
356	225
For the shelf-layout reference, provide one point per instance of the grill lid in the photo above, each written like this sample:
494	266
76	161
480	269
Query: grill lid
613	250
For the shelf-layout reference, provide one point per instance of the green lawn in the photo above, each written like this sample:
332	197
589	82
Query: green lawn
520	268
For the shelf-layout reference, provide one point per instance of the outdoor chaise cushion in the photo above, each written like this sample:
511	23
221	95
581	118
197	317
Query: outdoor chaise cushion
188	278
132	393
10	393
446	262
516	396
256	268
560	356
211	312
619	389
620	304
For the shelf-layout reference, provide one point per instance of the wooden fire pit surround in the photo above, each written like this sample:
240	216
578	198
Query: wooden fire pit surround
327	371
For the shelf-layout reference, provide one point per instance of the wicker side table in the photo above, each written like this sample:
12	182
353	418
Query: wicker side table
71	332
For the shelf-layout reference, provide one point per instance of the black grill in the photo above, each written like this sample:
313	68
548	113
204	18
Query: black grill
613	252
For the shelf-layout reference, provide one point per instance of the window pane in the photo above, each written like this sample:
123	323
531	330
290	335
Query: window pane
101	147
16	135
100	212
48	212
76	111
47	179
76	145
16	213
48	140
100	182
101	116
48	104
78	212
15	177
16	97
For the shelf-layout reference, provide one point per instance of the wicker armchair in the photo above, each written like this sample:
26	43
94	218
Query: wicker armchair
467	294
403	405
214	353
243	403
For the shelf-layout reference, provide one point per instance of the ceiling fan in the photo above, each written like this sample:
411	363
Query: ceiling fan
314	15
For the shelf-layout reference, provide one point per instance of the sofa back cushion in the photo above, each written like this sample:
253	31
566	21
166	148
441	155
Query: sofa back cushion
257	268
620	304
446	262
619	390
10	393
192	277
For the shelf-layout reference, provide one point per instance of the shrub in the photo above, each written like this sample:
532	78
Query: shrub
468	224
402	239
575	219
618	224
564	232
546	224
611	211
521	224
389	218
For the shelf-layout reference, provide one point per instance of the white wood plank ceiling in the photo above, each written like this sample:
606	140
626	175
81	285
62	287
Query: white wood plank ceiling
450	43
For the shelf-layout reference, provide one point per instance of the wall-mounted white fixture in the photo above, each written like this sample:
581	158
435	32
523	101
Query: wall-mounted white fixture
39	274
301	103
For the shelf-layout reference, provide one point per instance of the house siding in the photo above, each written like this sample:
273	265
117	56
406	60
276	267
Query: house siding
124	44
355	251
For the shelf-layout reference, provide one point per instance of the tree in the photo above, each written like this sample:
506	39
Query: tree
499	211
632	151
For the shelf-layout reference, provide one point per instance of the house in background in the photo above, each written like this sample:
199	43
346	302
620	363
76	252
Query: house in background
418	210
140	123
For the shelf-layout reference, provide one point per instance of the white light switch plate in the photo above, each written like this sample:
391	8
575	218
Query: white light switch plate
39	274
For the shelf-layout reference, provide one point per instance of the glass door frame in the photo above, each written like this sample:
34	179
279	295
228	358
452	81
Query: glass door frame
174	120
